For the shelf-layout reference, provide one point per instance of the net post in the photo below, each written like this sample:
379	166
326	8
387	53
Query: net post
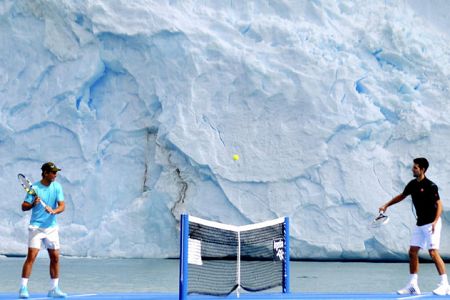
238	268
286	266
184	236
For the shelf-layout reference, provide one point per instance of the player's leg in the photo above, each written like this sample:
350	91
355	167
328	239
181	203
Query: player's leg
29	261
437	259
414	259
26	272
52	243
417	242
443	286
34	245
434	238
53	254
412	288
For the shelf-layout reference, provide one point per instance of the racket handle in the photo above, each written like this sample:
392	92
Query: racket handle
41	201
43	204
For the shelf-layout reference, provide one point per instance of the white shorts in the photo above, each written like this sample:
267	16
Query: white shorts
423	238
49	237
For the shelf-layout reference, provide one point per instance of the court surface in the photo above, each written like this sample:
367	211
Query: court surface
254	296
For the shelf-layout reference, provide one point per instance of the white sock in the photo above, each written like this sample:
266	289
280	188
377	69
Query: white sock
24	282
444	279
413	280
54	283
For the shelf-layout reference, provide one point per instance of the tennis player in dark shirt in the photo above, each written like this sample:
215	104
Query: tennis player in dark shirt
427	232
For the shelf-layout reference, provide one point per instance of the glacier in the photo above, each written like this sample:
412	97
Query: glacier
144	103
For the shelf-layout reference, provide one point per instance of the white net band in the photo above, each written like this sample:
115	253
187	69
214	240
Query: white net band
234	227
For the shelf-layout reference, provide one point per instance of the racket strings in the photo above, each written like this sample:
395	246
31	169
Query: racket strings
26	184
380	220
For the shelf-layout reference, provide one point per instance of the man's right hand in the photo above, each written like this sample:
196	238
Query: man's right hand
36	201
382	209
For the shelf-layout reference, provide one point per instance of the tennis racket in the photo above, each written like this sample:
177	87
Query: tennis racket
28	187
379	221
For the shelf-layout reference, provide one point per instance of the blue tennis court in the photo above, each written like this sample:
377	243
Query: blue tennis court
262	296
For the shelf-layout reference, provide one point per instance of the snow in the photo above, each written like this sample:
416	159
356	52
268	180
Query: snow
144	103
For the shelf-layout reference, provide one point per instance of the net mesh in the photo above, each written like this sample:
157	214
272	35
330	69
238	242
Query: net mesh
222	259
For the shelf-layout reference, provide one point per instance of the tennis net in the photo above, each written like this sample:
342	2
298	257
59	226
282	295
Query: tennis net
216	258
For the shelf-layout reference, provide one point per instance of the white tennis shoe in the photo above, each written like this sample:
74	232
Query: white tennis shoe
442	290
410	289
56	293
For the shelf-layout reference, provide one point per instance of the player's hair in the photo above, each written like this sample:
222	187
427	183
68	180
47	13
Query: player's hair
422	162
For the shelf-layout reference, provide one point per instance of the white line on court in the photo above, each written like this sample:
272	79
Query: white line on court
416	296
68	296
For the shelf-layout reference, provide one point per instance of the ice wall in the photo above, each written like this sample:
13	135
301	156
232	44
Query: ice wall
143	104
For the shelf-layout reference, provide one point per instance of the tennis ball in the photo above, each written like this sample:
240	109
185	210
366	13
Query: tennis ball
235	157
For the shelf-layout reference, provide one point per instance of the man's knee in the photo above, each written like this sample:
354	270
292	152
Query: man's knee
413	252
54	256
434	253
32	254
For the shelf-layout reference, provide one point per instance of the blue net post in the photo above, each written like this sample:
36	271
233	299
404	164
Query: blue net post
184	236
286	267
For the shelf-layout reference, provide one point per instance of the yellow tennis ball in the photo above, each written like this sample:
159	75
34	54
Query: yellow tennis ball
235	157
